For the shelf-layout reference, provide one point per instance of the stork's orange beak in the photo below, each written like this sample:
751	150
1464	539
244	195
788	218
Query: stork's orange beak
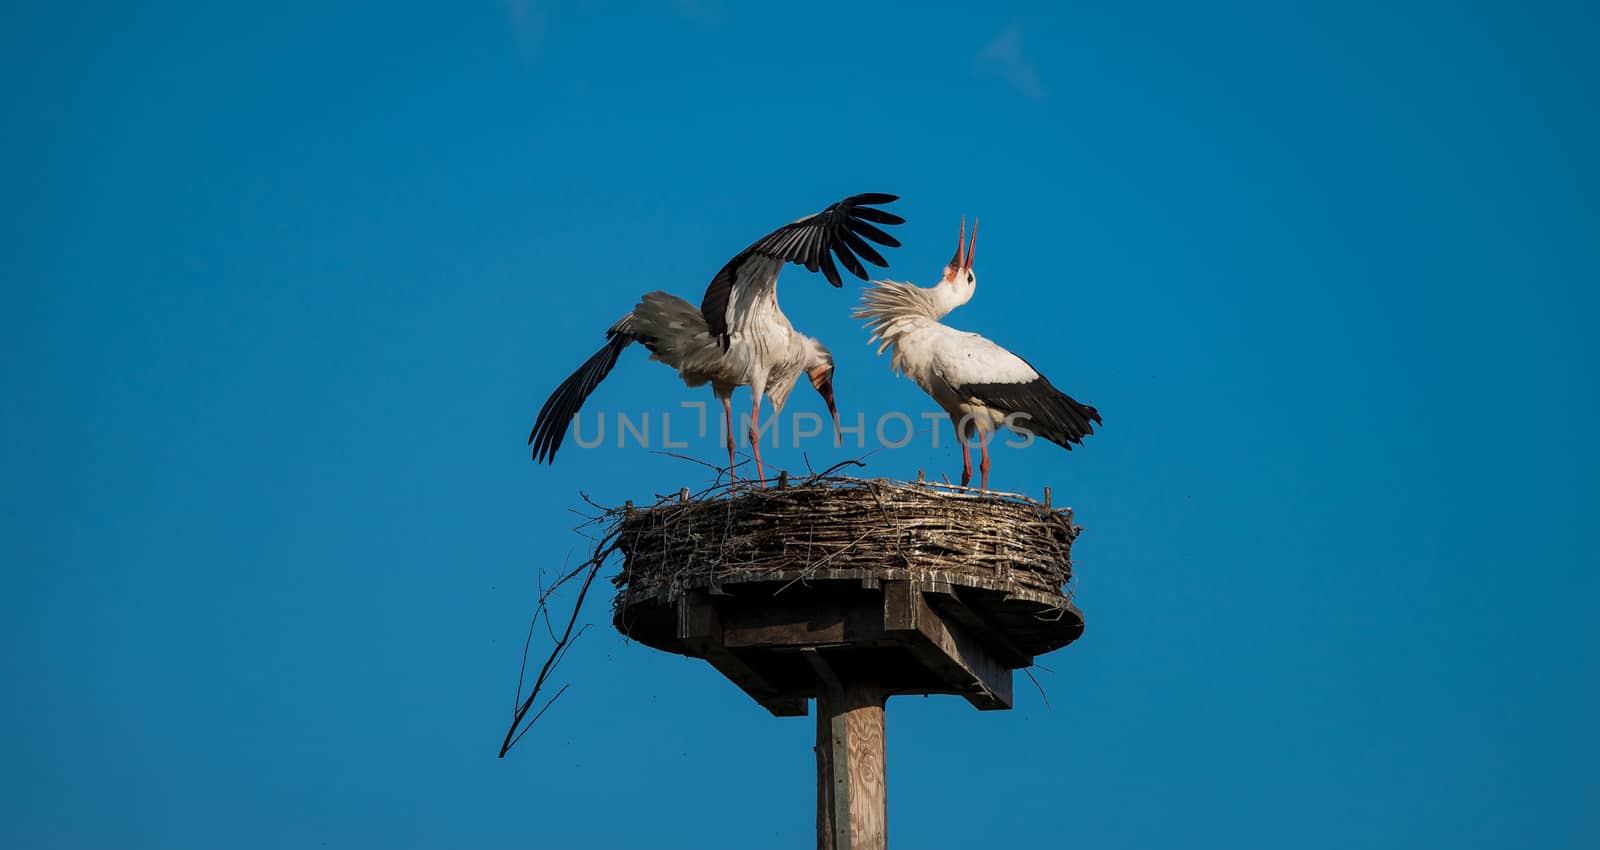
826	389
962	261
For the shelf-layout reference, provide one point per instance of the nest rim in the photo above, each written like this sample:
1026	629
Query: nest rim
1006	555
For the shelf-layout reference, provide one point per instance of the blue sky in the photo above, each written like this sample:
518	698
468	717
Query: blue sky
285	287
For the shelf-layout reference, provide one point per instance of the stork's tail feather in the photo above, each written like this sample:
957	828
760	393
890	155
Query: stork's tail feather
1041	409
1064	420
677	335
550	428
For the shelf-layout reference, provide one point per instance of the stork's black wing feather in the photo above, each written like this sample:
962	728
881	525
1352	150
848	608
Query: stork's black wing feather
842	230
1050	413
550	428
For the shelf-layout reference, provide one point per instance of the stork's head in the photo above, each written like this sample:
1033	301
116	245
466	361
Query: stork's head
958	274
819	368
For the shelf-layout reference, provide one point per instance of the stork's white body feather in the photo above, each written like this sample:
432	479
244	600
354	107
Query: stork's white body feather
942	360
980	385
765	352
904	318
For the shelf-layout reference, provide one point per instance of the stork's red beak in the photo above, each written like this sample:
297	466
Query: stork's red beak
962	261
827	395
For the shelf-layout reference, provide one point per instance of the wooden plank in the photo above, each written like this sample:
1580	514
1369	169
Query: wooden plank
826	838
804	624
852	791
866	737
700	629
900	606
839	758
945	648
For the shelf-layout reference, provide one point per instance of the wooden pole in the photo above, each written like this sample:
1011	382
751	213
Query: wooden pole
852	798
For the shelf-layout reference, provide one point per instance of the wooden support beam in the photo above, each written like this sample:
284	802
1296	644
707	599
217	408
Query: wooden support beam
829	679
945	647
805	624
852	786
949	603
700	629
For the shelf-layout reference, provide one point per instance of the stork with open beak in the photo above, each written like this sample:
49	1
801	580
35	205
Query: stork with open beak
979	384
739	336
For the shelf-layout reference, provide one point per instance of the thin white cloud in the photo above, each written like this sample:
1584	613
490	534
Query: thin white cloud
1003	55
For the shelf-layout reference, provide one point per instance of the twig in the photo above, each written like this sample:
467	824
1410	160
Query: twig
706	464
592	566
539	714
1029	674
838	466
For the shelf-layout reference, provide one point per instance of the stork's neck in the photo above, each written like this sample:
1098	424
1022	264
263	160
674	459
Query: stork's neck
785	371
894	310
946	295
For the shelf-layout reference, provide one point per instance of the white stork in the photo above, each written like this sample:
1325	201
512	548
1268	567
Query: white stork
739	337
979	384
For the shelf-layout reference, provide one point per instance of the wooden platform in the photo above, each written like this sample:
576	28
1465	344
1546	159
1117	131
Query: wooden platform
781	640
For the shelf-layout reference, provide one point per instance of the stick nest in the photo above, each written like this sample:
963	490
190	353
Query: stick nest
843	527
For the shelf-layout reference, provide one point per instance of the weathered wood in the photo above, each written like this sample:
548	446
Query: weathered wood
1036	622
910	638
700	630
805	624
852	788
945	647
866	739
948	602
825	674
826	839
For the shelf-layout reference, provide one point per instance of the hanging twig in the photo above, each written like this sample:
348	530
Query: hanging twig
1029	674
588	569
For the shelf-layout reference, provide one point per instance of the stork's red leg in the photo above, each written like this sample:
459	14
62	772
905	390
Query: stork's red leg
983	465
755	440
727	430
966	456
